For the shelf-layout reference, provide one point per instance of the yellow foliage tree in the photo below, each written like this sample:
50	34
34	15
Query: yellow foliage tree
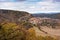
11	31
31	34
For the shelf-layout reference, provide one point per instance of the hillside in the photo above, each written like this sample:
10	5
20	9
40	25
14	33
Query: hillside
28	28
52	15
13	16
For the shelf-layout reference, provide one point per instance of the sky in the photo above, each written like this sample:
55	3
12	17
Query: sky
31	6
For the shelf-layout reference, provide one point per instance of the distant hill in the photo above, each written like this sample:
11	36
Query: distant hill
52	15
13	16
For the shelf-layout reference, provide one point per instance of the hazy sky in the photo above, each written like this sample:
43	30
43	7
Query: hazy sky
32	6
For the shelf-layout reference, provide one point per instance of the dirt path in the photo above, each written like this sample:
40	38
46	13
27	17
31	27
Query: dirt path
39	32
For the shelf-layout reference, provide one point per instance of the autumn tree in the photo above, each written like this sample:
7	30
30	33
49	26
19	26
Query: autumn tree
11	31
31	34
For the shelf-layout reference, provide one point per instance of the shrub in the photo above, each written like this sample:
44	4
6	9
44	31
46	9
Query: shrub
49	38
31	34
11	31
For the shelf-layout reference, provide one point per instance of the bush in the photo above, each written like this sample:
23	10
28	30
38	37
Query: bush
11	31
49	38
40	38
31	34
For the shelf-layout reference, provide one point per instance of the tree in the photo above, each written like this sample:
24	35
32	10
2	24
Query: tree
11	31
31	34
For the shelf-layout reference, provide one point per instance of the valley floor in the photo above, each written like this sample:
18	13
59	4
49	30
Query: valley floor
50	32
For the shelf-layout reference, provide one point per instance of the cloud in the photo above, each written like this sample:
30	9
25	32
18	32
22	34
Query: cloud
56	0
11	0
41	6
48	6
52	0
20	0
29	0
